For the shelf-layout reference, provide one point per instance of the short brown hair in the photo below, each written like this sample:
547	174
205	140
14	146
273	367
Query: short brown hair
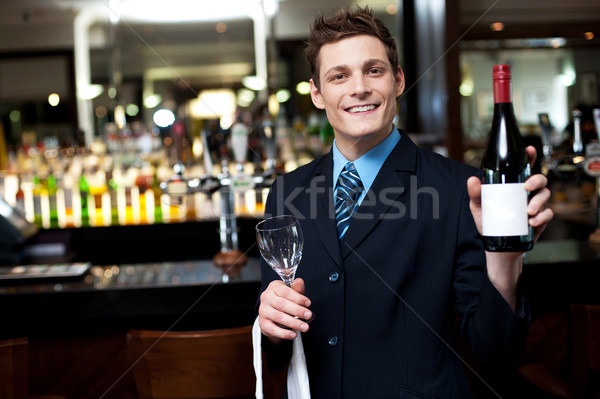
345	23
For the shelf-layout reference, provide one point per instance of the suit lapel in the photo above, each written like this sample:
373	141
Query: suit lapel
392	181
320	199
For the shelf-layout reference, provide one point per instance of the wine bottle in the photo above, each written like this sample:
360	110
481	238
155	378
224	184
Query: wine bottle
505	225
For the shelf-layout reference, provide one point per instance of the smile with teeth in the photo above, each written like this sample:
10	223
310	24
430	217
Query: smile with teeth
361	108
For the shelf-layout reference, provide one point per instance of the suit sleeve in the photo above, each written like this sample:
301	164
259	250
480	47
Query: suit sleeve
495	333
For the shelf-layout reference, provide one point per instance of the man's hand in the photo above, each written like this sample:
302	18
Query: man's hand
283	309
539	215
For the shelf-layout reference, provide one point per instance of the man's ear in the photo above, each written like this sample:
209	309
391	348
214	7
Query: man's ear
315	95
399	82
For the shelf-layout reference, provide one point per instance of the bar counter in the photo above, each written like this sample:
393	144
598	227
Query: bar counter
76	324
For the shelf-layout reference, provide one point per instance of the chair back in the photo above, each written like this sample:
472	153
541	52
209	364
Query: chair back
14	367
199	364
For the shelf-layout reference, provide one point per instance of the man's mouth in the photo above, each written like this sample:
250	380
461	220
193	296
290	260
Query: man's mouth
361	108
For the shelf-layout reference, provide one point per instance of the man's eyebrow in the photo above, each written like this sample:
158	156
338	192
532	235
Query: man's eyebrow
337	68
373	61
344	67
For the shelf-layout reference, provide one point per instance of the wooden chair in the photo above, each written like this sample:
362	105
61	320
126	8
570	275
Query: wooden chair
202	364
14	370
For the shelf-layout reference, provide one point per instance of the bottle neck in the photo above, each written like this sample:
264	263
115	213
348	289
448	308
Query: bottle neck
502	91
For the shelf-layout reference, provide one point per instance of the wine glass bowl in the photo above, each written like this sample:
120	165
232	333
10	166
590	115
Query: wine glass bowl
280	242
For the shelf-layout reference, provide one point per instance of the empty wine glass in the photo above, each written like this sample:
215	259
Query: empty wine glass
280	242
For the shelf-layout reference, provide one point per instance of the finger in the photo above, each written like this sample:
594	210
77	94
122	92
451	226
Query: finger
541	219
275	323
270	329
536	182
284	299
538	201
474	188
292	294
531	154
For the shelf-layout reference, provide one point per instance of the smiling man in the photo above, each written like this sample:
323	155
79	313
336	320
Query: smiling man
382	286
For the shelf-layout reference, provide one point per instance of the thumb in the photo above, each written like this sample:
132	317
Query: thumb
474	189
299	286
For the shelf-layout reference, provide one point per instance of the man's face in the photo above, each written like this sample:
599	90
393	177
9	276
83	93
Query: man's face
358	92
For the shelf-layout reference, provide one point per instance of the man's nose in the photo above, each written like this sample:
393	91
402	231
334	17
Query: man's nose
360	85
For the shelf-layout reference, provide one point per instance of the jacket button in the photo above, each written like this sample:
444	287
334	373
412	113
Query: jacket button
333	340
334	277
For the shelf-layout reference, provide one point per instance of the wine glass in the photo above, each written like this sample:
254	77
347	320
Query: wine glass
280	242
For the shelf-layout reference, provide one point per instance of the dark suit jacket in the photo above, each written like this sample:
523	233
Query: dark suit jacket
385	298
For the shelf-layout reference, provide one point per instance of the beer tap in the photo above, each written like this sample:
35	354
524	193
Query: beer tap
229	257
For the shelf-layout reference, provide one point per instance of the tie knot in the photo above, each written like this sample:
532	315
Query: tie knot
349	189
349	184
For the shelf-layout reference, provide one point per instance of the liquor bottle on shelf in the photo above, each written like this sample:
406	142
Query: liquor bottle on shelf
37	192
84	196
157	193
52	189
505	166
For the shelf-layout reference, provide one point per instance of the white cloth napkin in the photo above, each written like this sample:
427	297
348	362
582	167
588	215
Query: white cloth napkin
298	386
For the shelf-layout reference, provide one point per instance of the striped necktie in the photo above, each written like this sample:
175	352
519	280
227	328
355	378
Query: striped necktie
348	190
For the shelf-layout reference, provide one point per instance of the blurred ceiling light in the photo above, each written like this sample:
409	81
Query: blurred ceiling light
221	27
255	83
497	26
558	42
391	9
213	104
114	10
588	35
303	88
271	7
567	79
283	95
90	92
185	10
163	118
53	99
152	100
225	122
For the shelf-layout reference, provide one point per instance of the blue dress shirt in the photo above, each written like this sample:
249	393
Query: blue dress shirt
367	165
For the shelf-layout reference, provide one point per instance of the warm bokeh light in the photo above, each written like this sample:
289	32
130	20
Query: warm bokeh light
497	26
221	27
53	99
588	35
101	111
391	9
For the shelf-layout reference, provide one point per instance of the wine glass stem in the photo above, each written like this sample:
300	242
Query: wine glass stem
289	282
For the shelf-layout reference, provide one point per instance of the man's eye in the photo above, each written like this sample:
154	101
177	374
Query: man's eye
337	77
374	71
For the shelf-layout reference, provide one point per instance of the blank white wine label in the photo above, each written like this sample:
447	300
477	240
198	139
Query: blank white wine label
504	210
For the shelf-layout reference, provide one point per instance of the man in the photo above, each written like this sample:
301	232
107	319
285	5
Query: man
384	290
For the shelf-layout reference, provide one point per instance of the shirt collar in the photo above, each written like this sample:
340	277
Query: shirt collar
369	164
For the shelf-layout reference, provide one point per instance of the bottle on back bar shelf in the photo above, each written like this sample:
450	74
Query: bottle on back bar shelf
505	167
